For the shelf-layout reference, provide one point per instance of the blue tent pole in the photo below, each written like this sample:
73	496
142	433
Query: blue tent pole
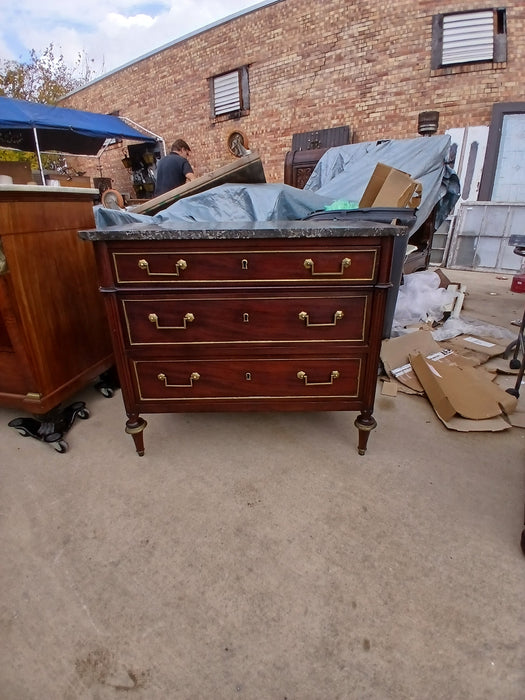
39	158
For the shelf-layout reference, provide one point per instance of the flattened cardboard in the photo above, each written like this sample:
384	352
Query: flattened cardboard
395	354
389	388
482	346
517	418
471	357
389	187
500	365
463	425
462	397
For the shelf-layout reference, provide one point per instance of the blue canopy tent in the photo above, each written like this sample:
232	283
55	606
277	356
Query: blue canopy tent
29	126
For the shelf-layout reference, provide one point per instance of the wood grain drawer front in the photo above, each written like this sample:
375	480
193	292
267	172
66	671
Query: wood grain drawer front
339	265
161	321
240	379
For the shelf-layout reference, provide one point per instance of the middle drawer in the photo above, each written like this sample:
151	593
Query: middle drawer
160	320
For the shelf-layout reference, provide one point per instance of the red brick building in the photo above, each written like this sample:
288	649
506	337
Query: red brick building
291	66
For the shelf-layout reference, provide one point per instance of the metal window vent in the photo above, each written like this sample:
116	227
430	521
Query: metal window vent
468	37
227	94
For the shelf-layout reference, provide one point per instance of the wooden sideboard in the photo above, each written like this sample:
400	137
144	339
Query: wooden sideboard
277	316
54	336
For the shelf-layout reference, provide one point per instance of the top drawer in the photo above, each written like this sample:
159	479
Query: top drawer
149	265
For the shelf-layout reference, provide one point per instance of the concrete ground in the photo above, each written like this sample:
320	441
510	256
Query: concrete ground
259	557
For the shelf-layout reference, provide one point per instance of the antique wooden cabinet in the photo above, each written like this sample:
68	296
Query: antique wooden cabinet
279	316
54	336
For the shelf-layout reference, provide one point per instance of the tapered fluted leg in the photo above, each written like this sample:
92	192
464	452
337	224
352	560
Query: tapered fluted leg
365	423
135	427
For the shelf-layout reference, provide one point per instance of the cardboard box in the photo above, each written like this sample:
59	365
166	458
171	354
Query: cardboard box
462	397
389	187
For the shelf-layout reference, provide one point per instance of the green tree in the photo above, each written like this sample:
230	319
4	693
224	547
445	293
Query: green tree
44	78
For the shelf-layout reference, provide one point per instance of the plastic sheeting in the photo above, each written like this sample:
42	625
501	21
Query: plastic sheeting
250	202
472	326
343	172
420	299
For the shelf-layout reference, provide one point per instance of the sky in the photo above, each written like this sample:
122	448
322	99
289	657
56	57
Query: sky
106	34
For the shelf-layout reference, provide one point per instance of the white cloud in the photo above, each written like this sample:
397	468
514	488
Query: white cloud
122	22
108	33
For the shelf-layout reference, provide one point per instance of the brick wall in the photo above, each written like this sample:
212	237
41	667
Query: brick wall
312	65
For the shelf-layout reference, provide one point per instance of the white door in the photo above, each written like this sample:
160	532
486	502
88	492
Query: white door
467	154
509	180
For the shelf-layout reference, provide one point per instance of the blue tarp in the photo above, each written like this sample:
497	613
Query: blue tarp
342	174
230	202
59	128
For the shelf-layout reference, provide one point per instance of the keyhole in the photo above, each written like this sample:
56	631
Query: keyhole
246	318
244	264
248	376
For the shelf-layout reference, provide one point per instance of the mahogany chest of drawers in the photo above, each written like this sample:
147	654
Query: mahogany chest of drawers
54	337
278	316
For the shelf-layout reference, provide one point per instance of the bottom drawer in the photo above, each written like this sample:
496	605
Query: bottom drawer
201	380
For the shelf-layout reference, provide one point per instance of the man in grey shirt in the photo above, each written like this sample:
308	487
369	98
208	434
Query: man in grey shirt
174	169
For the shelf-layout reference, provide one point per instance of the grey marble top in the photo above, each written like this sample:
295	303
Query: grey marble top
240	230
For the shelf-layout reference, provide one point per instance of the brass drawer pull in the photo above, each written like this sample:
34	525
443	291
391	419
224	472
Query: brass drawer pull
334	374
338	315
309	264
188	318
194	376
180	265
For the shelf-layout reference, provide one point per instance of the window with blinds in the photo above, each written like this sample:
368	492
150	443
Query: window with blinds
230	95
469	37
